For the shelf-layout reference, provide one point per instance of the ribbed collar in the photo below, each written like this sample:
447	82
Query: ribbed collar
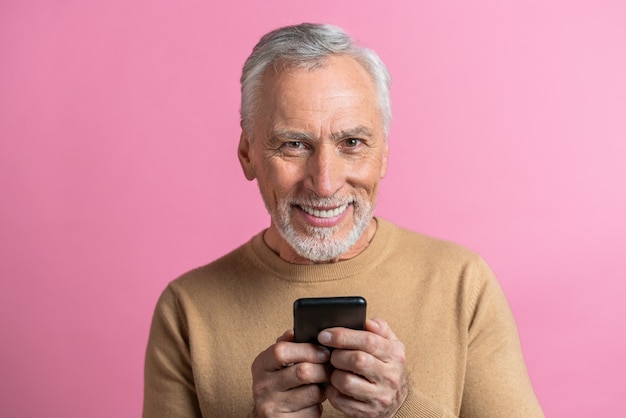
375	252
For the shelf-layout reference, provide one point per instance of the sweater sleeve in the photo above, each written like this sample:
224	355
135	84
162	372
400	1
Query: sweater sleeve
496	381
418	405
169	389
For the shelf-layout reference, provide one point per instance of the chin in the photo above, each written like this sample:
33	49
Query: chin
321	244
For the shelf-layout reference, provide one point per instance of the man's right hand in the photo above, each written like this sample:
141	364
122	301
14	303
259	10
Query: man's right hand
285	379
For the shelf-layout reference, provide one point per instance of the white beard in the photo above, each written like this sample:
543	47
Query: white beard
317	243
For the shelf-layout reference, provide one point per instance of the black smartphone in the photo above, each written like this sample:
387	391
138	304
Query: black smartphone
312	315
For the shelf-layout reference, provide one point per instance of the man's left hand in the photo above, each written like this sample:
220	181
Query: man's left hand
370	378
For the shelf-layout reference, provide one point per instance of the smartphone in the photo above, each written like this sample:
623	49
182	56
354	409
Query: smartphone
312	315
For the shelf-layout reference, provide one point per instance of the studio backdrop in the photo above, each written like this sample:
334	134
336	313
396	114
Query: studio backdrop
118	172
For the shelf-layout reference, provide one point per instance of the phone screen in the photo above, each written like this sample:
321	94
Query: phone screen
312	315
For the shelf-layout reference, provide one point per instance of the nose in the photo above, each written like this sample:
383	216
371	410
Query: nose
326	171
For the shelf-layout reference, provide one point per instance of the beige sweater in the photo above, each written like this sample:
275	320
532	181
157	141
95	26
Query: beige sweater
441	300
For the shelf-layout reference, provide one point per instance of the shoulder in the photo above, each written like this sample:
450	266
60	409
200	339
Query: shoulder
425	246
434	260
216	277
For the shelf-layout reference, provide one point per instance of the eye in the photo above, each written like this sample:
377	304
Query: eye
352	142
294	144
294	148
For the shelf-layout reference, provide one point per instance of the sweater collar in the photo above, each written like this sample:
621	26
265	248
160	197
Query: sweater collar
375	252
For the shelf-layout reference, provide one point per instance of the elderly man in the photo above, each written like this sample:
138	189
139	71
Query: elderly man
441	342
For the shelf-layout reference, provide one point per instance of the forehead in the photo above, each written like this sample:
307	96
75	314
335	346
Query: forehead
339	91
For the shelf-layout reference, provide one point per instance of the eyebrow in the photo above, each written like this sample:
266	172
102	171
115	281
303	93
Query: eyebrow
292	135
357	131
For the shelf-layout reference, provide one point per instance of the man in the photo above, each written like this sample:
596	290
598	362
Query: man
441	342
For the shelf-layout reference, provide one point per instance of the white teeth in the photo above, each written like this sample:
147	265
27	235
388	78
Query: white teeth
325	213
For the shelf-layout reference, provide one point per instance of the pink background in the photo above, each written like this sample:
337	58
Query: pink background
118	172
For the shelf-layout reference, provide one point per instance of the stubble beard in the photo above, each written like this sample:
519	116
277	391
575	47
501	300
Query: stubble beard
320	244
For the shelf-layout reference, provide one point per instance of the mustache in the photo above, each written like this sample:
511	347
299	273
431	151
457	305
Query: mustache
316	201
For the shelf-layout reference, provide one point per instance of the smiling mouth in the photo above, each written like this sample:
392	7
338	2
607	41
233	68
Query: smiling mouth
325	213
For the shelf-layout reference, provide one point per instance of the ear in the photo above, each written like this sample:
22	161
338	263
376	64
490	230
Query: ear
244	156
383	168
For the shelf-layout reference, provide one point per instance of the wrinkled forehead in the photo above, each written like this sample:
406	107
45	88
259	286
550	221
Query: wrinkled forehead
335	97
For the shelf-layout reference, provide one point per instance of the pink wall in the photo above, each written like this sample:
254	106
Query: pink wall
118	128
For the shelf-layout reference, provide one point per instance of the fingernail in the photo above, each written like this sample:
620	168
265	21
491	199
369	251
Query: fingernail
324	337
323	354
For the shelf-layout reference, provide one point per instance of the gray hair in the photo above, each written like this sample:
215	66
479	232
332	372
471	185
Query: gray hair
306	46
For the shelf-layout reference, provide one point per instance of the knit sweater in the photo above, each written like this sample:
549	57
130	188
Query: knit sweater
442	301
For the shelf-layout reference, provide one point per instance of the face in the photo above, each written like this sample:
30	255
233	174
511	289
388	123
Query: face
318	153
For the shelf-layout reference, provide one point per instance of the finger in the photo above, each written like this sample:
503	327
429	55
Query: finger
375	367
352	385
361	364
381	327
353	340
287	336
306	374
301	376
286	375
349	405
306	400
355	396
364	377
285	353
289	378
314	411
